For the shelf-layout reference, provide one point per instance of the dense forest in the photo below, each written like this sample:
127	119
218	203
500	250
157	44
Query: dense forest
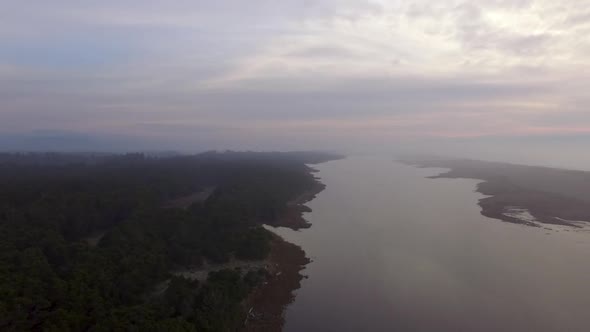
53	278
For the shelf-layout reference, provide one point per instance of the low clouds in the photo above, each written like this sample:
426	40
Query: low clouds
227	73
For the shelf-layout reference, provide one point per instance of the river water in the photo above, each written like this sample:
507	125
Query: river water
395	251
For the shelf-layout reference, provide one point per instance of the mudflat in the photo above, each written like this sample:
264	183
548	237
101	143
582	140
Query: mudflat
529	195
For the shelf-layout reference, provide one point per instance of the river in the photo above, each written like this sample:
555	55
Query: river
395	251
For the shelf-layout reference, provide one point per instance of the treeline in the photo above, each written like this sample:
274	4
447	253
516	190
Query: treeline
52	279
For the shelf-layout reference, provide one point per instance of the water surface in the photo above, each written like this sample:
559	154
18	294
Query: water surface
393	250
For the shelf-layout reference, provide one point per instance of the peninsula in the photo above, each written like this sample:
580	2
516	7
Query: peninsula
528	195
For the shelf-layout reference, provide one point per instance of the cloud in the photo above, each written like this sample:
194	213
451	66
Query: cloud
223	71
576	19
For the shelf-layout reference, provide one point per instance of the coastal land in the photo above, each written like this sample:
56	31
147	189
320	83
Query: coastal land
264	308
292	217
144	243
528	195
266	305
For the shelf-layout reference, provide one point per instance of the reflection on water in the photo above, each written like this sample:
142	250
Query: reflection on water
393	250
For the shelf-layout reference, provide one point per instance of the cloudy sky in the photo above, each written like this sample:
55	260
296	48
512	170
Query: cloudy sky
293	74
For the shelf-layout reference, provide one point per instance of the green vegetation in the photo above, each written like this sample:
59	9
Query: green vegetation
51	279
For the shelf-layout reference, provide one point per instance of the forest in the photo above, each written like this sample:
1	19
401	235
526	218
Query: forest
53	278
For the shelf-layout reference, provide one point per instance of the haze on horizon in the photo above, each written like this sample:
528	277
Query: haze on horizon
451	76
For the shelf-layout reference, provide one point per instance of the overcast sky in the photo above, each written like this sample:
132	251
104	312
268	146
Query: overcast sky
294	73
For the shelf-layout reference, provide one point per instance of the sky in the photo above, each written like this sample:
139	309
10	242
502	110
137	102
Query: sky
293	74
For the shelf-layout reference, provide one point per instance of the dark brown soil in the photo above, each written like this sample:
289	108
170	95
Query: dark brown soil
266	305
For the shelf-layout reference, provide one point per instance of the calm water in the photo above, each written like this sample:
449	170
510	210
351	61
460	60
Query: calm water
393	250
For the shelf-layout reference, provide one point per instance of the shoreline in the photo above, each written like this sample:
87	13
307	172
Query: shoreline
293	216
266	306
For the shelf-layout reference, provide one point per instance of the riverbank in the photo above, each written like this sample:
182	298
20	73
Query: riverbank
267	303
292	217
